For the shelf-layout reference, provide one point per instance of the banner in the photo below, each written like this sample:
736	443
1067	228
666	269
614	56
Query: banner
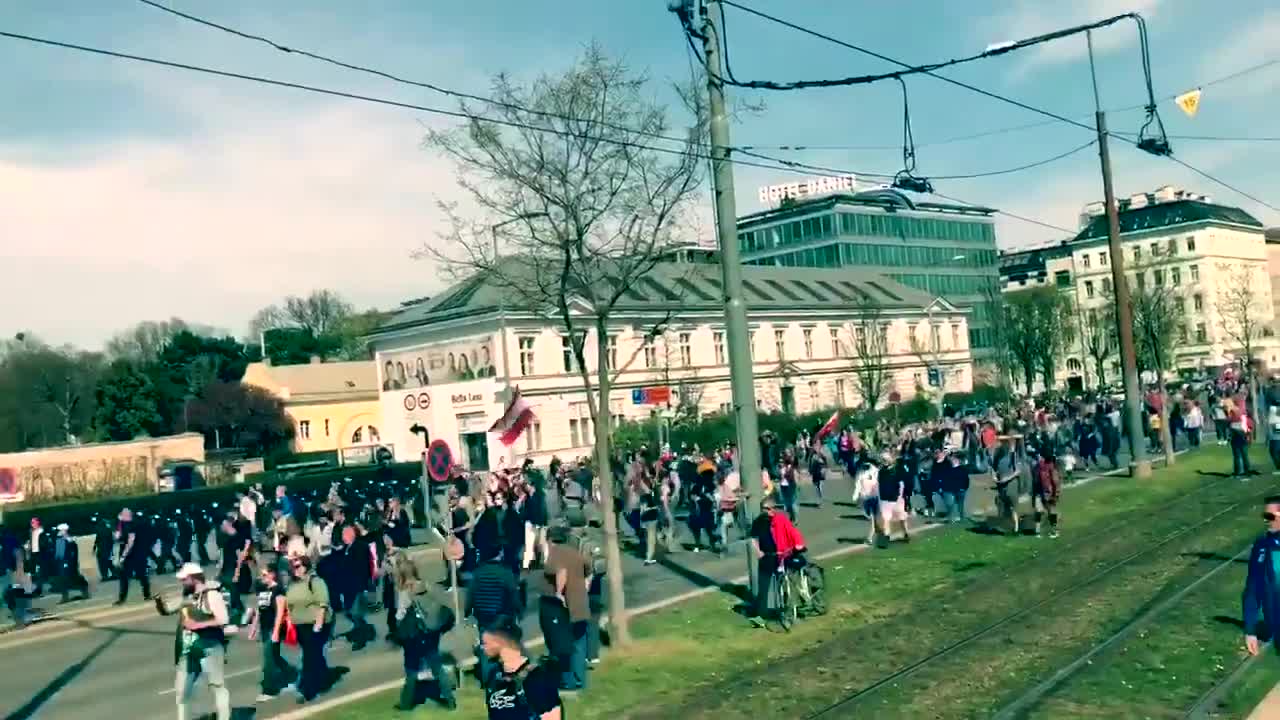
436	364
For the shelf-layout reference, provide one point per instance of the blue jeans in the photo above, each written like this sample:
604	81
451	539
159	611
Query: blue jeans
1239	453
955	505
574	677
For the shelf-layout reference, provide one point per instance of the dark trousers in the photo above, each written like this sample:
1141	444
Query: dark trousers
573	668
422	654
765	569
788	494
105	570
1193	437
277	673
1240	454
70	580
315	677
133	569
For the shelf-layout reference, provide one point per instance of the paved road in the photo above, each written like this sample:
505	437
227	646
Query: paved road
120	666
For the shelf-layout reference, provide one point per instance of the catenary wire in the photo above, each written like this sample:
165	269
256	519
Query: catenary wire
987	93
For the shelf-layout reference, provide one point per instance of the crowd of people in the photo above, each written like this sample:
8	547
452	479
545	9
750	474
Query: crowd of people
290	568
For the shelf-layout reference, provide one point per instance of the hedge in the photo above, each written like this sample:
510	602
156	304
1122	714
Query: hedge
79	514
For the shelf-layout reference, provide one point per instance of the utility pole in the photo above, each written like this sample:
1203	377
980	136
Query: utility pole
737	333
1139	465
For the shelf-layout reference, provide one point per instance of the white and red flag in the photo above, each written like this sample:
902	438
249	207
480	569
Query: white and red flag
513	422
829	426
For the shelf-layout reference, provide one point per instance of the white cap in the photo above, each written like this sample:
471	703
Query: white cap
62	527
189	569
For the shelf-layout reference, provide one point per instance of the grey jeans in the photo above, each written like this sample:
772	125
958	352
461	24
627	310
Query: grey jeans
212	667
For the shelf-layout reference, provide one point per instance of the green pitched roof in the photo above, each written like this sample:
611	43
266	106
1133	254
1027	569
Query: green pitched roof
1160	215
692	287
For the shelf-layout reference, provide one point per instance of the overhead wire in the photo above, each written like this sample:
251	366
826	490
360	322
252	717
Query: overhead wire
1150	145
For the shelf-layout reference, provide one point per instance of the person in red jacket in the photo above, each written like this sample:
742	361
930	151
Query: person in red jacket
774	538
1046	489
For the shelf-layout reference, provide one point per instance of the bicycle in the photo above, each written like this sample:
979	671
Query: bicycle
797	591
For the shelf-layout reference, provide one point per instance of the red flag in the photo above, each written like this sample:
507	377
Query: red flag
830	425
514	421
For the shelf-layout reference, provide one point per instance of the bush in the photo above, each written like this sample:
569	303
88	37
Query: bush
79	514
983	395
716	430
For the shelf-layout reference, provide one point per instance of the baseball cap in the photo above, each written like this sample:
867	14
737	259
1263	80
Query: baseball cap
189	569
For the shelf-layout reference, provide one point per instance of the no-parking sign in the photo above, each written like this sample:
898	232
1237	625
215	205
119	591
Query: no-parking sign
439	460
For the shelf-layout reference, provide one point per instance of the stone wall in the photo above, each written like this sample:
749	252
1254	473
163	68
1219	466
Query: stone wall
99	469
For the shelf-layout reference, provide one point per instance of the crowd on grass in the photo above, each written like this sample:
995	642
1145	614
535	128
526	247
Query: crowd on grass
296	573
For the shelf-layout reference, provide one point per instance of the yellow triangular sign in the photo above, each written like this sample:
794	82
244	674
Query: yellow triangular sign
1189	102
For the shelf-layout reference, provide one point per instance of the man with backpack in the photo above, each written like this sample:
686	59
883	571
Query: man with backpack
516	688
200	643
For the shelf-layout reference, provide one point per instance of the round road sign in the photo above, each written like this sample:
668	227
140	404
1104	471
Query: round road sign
410	403
439	460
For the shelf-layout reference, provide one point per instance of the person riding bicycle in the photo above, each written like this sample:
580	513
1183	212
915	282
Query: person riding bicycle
774	539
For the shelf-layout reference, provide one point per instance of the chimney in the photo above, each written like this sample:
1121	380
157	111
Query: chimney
316	359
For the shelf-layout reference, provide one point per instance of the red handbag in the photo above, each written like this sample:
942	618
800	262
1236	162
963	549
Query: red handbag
290	632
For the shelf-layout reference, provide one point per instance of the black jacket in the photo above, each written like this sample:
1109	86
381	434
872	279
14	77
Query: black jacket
69	564
493	594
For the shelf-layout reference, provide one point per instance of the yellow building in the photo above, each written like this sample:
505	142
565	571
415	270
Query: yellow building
334	406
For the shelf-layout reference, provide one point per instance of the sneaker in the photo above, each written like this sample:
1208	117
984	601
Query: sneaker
1053	534
650	562
264	697
593	661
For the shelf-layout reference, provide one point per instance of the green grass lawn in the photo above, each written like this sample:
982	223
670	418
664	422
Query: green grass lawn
701	659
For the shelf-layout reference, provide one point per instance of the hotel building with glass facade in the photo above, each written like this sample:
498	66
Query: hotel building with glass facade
944	250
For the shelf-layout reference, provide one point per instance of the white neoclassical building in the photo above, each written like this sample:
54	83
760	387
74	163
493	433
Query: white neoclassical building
1172	239
446	364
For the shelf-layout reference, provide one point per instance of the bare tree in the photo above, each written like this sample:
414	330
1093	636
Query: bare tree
1243	313
1035	326
585	206
144	341
1057	332
868	347
1098	336
1159	321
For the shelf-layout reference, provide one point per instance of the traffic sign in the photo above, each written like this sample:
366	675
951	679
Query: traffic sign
657	395
439	460
1189	102
10	492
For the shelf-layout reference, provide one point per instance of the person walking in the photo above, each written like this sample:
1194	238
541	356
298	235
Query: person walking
1193	423
1007	478
311	613
421	620
66	565
817	470
787	489
1045	489
493	596
955	487
515	687
1261	597
866	492
267	623
104	548
568	576
1239	429
132	537
200	647
893	500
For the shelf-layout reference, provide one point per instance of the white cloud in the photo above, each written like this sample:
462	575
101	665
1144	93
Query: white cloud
1253	42
212	227
1029	18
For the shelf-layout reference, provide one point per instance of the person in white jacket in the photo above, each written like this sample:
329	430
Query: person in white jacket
866	490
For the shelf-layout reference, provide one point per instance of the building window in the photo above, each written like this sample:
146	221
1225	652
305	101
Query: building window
526	355
373	435
935	337
1197	302
1088	288
650	352
1191	244
779	344
326	427
1201	334
1085	259
579	425
1062	278
1102	258
717	340
1106	285
358	436
840	392
835	342
1173	246
1195	273
1157	277
533	437
1175	276
1137	253
304	429
813	394
569	357
1155	249
611	348
1141	281
808	343
686	352
955	336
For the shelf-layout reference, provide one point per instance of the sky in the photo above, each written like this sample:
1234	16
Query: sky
130	192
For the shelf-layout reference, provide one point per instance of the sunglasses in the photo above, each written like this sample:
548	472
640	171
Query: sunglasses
1269	517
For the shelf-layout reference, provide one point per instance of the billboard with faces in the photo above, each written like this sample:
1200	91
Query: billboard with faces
441	364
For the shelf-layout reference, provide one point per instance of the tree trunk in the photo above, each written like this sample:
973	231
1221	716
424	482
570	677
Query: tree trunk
1029	376
1166	433
619	622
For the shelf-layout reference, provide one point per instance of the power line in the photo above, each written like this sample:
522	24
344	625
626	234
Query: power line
1019	168
997	96
375	100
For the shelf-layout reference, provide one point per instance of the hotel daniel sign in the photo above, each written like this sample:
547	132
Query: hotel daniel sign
810	187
